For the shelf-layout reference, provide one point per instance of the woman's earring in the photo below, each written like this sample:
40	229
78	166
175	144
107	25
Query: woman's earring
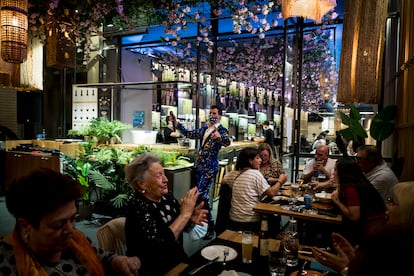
143	191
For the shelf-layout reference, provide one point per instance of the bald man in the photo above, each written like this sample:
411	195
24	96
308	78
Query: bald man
321	164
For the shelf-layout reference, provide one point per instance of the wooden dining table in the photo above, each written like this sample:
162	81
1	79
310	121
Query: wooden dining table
321	211
269	208
234	237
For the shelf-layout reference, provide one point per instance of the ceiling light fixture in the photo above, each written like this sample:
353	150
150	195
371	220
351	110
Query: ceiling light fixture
14	26
311	9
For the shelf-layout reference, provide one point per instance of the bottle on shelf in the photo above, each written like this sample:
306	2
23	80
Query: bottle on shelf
264	238
291	244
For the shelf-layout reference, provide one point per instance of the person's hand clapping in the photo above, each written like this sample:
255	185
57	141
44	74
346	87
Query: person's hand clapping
126	266
345	252
188	201
199	214
344	244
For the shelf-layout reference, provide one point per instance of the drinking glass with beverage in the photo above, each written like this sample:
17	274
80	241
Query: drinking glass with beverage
291	245
299	179
294	192
247	246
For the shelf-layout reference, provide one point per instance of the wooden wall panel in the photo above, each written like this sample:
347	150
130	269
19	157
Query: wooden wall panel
405	91
8	110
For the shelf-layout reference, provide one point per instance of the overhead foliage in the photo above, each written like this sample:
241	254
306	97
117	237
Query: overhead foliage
84	18
259	63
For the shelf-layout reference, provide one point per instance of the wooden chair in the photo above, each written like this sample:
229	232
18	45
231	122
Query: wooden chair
111	236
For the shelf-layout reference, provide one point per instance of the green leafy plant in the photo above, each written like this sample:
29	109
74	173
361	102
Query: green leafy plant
81	132
82	175
102	130
91	179
101	171
383	123
354	132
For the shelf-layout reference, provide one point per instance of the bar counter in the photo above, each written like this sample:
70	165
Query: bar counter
187	150
54	144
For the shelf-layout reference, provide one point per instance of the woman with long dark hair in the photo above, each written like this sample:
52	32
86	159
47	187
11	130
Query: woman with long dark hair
360	203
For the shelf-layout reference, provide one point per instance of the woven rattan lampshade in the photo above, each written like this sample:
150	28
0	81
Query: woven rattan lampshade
363	44
14	25
311	9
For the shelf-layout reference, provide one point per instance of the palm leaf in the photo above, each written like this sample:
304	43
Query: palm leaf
120	200
100	180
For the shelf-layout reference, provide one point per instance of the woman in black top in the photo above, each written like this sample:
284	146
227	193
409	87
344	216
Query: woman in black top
155	220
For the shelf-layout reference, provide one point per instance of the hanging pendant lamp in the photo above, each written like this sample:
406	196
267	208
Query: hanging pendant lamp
311	9
14	26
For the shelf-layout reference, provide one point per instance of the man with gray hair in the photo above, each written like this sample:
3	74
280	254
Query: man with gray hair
370	161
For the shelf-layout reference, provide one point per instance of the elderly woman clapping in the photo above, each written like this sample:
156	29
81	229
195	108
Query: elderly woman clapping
155	219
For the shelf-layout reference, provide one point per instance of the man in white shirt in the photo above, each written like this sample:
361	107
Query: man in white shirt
383	179
321	164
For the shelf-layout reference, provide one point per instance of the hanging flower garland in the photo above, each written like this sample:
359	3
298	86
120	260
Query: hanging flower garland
259	63
86	17
82	19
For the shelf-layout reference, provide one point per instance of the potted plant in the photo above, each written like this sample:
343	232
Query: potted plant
101	171
354	132
382	125
102	130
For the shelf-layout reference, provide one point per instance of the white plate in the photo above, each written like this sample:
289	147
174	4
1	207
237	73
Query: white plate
323	195
300	198
212	251
276	198
233	273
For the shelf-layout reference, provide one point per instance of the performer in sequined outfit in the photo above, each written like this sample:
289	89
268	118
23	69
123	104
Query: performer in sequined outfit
212	137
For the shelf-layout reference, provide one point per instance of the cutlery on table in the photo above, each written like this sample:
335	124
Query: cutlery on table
194	271
226	252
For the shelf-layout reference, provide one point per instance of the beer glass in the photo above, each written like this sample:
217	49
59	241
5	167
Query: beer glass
247	246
